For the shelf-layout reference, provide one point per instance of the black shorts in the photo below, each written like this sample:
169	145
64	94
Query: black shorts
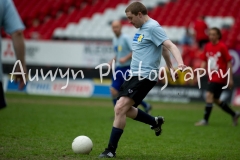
215	88
135	89
2	101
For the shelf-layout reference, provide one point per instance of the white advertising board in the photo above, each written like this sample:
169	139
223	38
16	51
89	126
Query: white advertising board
76	88
59	54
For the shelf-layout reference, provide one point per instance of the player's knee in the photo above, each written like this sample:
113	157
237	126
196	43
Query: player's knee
119	108
122	107
209	97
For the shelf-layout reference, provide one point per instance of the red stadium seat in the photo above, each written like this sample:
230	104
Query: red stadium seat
173	13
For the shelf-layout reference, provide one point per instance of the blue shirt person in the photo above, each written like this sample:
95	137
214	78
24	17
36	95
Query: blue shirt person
147	47
122	45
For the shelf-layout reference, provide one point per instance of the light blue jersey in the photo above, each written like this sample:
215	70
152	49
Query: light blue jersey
122	47
147	48
9	20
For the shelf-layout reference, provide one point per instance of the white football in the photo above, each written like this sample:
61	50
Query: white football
82	145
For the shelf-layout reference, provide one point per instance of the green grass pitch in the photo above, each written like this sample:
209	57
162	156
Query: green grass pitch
41	127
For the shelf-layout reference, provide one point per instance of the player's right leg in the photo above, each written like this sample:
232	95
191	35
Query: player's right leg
121	108
208	109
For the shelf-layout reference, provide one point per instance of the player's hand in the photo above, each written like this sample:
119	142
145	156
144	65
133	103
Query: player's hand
231	83
182	67
19	78
123	60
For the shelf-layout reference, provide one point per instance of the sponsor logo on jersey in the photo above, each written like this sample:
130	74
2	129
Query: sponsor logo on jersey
138	37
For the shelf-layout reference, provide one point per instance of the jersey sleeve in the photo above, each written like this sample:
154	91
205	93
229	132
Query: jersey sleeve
11	20
225	53
158	36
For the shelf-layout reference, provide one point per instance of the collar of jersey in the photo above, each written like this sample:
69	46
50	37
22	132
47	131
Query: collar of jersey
146	23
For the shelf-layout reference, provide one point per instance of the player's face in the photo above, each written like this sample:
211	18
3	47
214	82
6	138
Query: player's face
116	27
134	19
213	36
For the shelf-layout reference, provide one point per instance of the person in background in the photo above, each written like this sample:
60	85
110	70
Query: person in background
12	24
216	53
200	31
187	39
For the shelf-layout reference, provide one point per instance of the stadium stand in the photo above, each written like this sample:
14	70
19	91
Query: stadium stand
90	19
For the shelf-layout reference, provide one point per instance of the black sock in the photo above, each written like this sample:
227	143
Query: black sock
208	109
145	118
114	138
227	109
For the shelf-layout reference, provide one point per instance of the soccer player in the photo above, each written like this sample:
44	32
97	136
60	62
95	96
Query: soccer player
217	53
122	45
12	24
147	46
201	28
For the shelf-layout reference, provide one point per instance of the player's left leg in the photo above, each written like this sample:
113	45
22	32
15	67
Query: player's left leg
208	109
225	107
155	122
138	94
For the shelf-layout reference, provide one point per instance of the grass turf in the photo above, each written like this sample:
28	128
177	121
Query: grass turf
41	127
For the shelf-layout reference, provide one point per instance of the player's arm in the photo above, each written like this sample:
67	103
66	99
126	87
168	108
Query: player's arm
126	58
111	61
13	25
159	37
203	64
176	53
166	56
19	46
